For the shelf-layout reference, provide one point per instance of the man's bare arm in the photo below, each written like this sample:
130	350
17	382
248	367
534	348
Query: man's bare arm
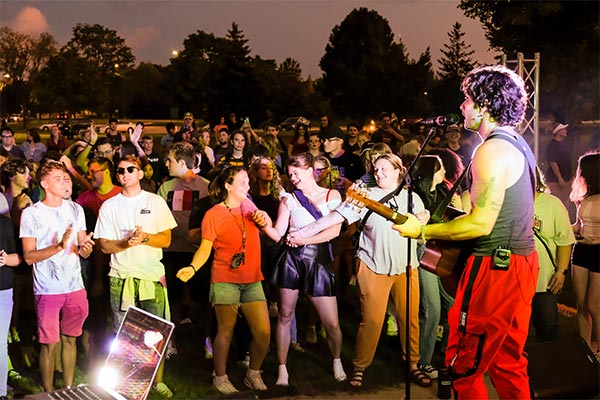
487	193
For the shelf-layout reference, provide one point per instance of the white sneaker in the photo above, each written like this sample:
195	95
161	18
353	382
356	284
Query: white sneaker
254	381
223	385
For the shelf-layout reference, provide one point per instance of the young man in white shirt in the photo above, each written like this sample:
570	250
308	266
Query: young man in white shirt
54	236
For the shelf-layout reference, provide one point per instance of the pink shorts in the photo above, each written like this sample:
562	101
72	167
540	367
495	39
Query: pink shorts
60	314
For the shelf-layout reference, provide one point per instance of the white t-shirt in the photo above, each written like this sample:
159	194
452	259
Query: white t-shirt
380	247
60	273
117	220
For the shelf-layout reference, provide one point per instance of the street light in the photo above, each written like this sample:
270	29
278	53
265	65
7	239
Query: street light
175	53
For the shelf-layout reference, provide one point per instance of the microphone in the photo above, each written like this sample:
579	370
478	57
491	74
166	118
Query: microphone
441	120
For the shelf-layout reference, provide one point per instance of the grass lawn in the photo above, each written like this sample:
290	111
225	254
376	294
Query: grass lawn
188	374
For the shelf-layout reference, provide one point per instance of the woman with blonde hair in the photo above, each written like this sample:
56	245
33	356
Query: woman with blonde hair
382	266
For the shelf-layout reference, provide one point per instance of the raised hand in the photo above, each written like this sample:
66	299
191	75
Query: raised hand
135	135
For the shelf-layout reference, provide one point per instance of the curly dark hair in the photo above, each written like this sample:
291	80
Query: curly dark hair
498	89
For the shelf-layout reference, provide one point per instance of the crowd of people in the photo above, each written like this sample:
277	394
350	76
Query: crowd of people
228	228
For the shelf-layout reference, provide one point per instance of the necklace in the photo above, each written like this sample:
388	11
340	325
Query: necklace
242	226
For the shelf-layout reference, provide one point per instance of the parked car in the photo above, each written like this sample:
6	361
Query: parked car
79	124
291	123
123	126
48	126
15	118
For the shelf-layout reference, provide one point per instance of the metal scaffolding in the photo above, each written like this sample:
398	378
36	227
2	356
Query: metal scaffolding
529	70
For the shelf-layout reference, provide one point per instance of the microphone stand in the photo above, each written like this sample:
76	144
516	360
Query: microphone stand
407	182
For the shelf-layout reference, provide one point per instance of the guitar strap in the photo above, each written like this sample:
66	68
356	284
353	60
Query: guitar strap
313	210
522	146
385	198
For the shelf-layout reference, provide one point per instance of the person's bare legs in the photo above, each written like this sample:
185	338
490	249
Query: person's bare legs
69	358
328	313
226	319
288	300
593	304
47	365
257	316
580	287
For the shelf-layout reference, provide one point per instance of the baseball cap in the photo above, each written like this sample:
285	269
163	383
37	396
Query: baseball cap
559	127
188	115
332	132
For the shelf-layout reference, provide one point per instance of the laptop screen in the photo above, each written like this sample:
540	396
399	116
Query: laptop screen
135	354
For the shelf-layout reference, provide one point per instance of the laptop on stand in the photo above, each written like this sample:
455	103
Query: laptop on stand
134	357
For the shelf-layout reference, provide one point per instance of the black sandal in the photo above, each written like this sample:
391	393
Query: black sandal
418	377
357	378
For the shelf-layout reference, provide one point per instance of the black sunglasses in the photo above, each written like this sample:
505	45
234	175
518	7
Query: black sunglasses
130	169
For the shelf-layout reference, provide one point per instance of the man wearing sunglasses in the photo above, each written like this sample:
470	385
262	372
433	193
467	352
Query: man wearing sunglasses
133	227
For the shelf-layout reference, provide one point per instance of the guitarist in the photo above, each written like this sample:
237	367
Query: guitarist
489	321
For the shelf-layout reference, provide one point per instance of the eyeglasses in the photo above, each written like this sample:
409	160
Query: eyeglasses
131	169
333	139
92	172
314	141
104	153
319	170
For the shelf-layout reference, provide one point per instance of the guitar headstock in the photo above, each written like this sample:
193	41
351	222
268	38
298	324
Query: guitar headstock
357	194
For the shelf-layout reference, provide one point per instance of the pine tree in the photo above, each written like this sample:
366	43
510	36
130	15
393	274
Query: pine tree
239	44
457	59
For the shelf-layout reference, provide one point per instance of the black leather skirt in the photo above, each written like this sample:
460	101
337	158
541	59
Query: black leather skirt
306	268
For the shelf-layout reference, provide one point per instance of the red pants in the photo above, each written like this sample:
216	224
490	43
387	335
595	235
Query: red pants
489	323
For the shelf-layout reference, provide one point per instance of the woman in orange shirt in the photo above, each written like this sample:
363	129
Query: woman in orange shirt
229	229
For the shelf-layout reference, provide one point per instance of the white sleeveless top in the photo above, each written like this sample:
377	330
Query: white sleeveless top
300	217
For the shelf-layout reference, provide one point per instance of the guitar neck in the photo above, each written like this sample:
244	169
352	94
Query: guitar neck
385	211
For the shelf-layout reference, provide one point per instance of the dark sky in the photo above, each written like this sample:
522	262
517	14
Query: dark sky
275	29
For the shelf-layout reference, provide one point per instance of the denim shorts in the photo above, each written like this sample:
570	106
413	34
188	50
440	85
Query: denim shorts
236	293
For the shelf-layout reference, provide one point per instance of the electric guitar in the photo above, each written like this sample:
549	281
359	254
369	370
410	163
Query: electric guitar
444	258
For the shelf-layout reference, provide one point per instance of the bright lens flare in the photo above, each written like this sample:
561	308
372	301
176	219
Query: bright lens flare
108	377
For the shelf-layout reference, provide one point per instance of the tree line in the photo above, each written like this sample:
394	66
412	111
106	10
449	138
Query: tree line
365	67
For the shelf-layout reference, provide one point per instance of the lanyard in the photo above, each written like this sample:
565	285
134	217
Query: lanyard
242	226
